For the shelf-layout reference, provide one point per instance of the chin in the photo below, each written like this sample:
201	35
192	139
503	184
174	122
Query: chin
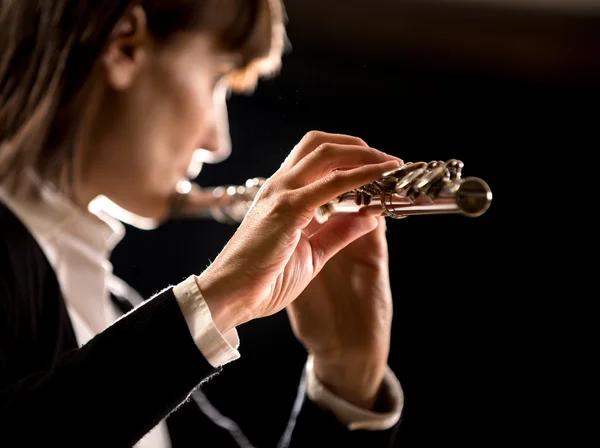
144	213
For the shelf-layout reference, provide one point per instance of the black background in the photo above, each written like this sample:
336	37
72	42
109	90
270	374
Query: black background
510	92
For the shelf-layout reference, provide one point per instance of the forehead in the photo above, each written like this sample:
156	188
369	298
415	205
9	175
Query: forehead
247	30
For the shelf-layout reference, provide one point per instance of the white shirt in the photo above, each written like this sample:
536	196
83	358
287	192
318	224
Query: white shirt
78	245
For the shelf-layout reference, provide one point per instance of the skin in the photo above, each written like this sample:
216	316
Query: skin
349	332
152	106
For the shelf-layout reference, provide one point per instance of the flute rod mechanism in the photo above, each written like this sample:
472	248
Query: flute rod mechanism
471	198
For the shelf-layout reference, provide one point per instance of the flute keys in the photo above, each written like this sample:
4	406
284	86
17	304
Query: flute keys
437	173
361	198
406	182
454	168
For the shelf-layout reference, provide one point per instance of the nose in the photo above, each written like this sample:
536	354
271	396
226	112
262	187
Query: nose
216	146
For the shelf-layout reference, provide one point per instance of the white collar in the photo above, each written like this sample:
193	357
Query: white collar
51	213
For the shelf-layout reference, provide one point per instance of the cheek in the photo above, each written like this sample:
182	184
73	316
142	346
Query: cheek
191	114
175	129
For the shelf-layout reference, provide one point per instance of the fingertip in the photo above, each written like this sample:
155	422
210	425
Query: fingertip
390	165
393	157
370	225
382	222
375	221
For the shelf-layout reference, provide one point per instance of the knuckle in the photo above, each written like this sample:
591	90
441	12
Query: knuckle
336	178
306	145
273	190
325	149
284	203
312	136
288	205
309	141
267	189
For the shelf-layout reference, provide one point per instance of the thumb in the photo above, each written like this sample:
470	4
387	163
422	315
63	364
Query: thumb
338	233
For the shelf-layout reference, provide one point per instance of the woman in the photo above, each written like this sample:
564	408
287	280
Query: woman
112	99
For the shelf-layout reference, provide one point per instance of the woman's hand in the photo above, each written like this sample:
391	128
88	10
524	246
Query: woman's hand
270	259
344	315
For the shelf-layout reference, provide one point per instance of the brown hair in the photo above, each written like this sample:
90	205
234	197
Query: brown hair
49	48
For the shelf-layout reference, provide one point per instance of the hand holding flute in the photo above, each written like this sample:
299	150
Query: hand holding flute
287	246
270	259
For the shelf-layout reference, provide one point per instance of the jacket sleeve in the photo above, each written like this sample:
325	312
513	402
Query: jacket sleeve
312	425
316	427
111	391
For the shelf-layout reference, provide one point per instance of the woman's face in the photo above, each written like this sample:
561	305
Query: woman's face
161	110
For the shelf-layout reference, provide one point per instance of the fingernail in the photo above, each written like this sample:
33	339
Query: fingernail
392	164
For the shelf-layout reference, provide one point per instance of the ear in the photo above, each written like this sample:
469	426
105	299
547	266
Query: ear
127	49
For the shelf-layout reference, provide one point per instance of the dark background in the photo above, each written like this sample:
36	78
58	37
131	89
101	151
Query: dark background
511	91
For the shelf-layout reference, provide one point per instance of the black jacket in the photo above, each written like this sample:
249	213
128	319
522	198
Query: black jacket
56	394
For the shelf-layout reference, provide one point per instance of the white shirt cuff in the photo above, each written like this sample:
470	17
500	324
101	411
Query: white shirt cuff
351	415
217	348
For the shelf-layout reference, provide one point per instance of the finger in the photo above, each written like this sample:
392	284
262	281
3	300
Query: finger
337	234
380	237
312	140
382	228
331	186
330	157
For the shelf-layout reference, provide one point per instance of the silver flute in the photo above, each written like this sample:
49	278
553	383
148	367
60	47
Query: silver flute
416	188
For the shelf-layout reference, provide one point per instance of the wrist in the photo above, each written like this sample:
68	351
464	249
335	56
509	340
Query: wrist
357	382
226	311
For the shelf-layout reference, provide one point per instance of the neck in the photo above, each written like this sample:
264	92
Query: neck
73	187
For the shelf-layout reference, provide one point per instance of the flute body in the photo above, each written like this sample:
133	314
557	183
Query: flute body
418	188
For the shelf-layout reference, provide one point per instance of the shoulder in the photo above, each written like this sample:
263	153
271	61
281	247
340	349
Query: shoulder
16	241
23	265
34	326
